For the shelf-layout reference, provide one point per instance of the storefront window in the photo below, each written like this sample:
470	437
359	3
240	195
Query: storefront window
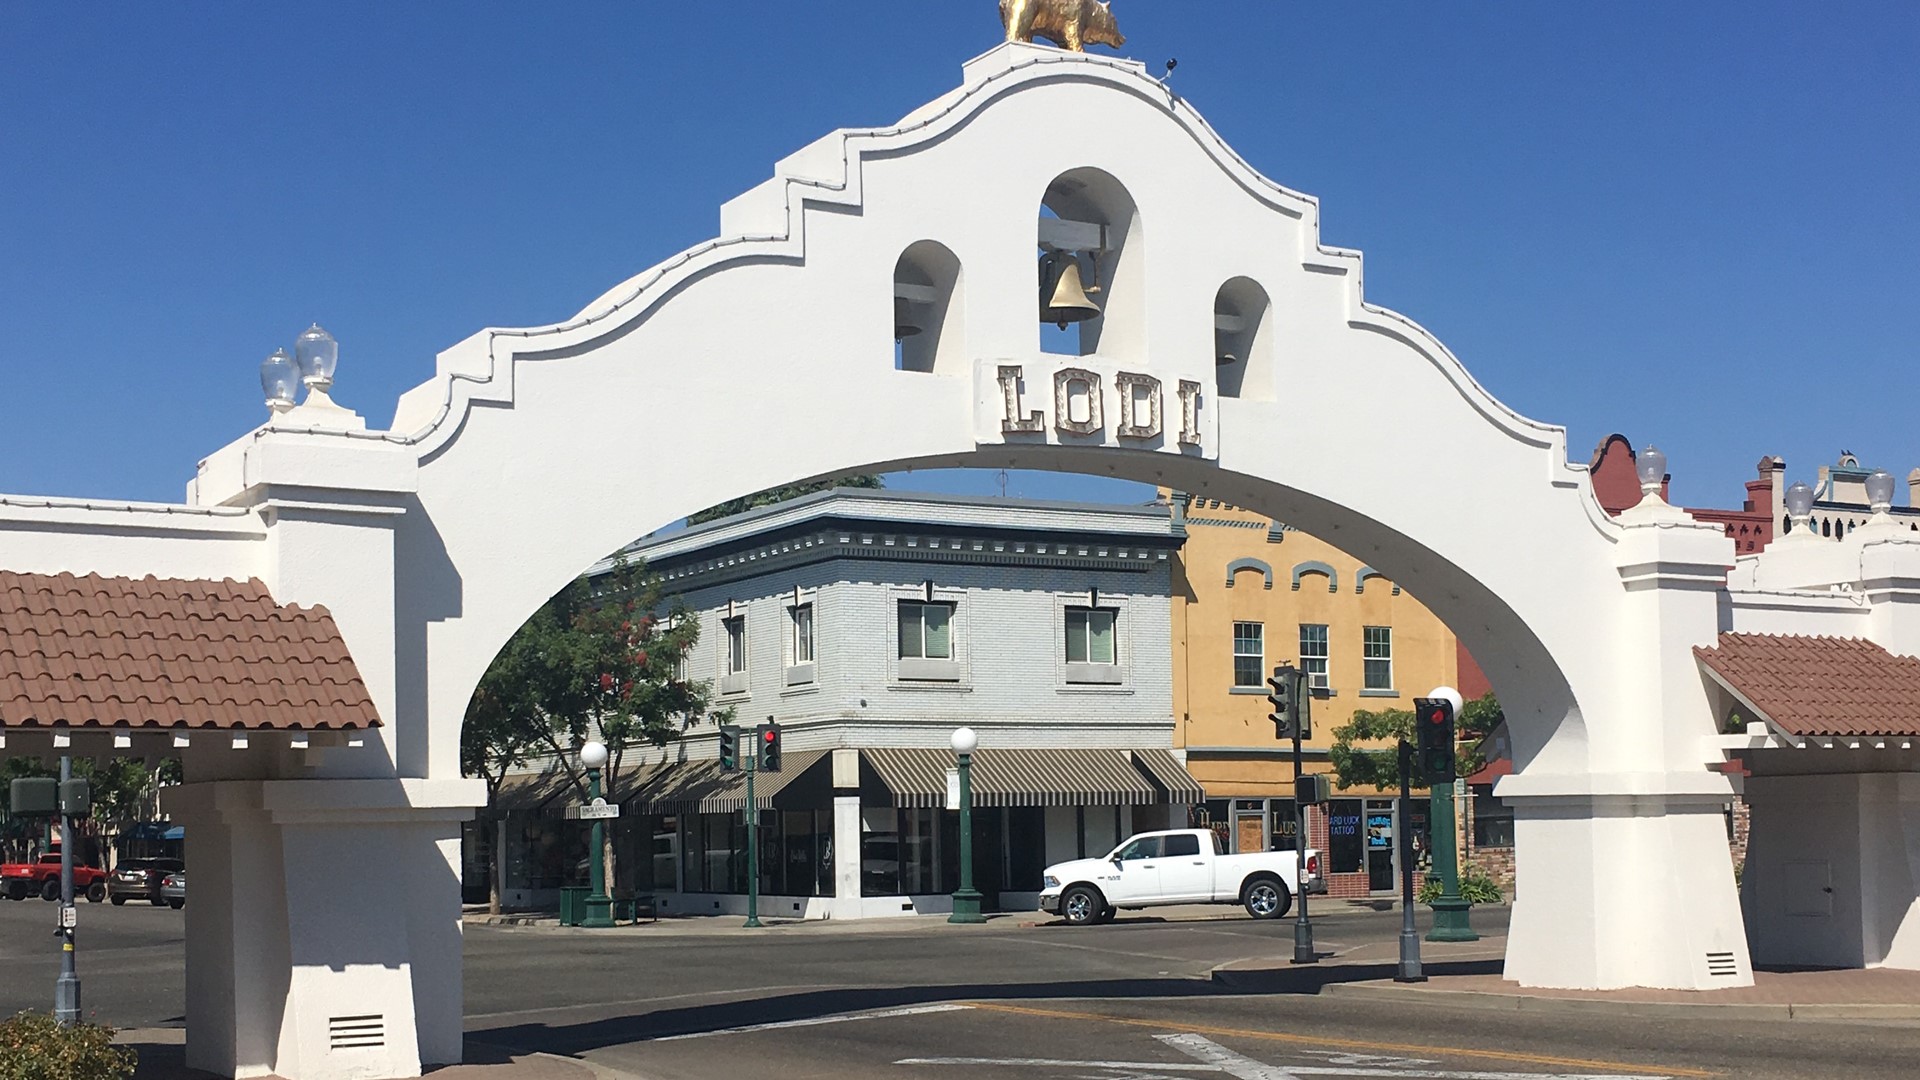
1492	822
1214	816
1346	850
1026	847
665	850
544	852
1283	828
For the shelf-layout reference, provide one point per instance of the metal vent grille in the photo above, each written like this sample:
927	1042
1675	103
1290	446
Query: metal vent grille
1722	964
357	1032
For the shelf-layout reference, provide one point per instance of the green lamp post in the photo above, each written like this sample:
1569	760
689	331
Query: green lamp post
1450	909
599	914
966	899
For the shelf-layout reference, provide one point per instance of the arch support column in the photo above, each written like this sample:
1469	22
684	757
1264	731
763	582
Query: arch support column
1624	873
323	941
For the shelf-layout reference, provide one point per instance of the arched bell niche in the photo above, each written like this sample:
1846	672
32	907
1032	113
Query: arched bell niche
1089	220
928	329
1243	364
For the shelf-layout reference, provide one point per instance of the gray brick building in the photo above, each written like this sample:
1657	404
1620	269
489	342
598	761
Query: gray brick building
869	625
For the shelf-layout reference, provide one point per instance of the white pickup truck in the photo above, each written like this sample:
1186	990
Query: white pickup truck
1178	867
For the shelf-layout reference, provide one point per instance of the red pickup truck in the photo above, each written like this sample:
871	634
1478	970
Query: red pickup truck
21	880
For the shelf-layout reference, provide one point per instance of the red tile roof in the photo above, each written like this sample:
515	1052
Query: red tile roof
1821	685
102	651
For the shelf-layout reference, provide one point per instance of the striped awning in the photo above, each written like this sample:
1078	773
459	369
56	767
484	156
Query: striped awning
1166	770
530	791
700	787
918	777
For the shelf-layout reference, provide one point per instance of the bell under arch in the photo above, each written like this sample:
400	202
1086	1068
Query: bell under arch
1091	236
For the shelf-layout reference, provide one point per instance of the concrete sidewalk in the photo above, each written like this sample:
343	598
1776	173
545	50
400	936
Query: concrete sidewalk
1469	975
161	1051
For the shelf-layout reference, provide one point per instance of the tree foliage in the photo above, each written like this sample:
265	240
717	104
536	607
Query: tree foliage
782	494
1365	750
600	659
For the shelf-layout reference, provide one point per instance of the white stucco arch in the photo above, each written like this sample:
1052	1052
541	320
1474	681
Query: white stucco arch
757	359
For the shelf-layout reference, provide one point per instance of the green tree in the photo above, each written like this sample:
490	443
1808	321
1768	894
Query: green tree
782	494
600	660
1365	749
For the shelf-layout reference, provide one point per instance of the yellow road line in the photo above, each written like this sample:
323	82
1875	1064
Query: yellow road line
1352	1044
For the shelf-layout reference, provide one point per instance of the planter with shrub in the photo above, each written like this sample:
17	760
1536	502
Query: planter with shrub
34	1047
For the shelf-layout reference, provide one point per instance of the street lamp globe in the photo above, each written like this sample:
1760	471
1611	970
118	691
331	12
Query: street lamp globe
1880	491
594	754
280	380
964	740
1652	467
1449	695
318	354
1799	503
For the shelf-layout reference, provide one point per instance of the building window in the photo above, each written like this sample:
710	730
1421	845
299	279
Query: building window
1377	657
1249	654
1313	654
926	631
736	628
801	632
1492	821
1090	636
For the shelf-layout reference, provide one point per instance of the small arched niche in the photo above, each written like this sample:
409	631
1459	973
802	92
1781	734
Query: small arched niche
927	323
1088	217
1243	341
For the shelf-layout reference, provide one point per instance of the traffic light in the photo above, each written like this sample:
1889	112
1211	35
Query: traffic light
1284	694
1433	717
769	739
729	748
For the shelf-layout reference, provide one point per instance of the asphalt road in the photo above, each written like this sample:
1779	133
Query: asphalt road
922	1000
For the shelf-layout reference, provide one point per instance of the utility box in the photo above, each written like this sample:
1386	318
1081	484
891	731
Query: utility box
34	796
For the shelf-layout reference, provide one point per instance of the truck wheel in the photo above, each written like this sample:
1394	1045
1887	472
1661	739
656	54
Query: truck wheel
97	892
1107	914
1265	897
1082	905
50	891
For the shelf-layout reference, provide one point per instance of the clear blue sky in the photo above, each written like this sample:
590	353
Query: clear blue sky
1691	222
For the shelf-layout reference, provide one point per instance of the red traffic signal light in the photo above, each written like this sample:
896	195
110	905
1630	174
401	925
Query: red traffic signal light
769	757
1436	739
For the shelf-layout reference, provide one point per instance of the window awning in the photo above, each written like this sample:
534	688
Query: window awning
1166	770
917	778
530	791
700	787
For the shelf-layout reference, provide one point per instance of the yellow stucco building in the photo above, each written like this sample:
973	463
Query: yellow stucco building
1250	593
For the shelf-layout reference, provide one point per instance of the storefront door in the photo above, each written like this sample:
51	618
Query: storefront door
1381	849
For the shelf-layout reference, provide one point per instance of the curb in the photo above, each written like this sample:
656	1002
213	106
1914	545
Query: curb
1670	1010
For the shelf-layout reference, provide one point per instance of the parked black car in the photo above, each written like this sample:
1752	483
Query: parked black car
139	879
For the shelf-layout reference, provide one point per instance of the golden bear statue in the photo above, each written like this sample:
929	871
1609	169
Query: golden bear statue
1072	24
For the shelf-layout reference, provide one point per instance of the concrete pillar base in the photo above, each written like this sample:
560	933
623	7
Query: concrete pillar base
323	942
1638	888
